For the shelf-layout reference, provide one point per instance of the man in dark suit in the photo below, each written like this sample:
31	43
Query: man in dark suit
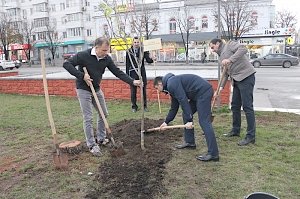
132	64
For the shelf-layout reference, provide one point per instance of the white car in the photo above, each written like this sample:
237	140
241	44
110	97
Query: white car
5	65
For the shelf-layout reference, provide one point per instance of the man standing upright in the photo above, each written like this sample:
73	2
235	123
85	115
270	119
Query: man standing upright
132	64
234	57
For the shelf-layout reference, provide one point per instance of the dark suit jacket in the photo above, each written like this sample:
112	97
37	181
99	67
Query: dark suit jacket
129	67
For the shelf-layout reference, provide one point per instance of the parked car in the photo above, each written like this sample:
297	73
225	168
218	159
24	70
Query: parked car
18	64
68	55
5	64
277	59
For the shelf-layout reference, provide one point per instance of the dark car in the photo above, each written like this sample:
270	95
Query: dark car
277	59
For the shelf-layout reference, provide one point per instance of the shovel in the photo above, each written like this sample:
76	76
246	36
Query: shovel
217	93
117	149
60	159
166	127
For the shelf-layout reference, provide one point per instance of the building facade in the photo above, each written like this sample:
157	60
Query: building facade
75	24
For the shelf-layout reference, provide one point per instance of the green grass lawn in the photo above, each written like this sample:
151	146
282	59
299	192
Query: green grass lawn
271	165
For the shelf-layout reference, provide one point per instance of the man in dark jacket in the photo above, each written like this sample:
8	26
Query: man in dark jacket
133	60
95	60
234	57
193	94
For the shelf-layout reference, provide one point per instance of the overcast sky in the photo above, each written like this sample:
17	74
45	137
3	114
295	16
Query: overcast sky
292	6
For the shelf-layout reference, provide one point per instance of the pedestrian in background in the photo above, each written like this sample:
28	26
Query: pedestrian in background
96	61
193	94
233	56
133	54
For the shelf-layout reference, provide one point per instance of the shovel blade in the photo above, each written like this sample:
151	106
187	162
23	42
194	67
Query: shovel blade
117	150
60	160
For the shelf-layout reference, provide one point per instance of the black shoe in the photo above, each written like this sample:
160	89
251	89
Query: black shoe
134	110
246	141
186	146
231	134
207	157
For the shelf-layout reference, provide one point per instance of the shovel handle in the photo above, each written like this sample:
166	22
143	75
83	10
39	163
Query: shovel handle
218	89
166	127
100	109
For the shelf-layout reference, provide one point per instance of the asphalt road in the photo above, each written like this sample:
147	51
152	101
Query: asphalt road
276	87
280	87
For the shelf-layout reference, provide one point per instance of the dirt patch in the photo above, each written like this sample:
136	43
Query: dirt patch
137	174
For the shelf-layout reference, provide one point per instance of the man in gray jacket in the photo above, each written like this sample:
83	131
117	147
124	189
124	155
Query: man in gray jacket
233	58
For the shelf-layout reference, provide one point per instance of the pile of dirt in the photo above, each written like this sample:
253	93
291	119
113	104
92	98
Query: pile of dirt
139	173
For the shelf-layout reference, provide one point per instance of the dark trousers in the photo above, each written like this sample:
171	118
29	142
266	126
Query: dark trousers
133	96
202	106
243	96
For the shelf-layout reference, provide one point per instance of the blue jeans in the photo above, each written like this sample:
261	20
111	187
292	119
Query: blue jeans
243	96
87	102
202	105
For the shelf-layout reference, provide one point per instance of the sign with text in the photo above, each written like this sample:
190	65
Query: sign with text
152	44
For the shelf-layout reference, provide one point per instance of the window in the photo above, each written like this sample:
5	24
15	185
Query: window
204	21
191	23
41	7
73	17
40	22
253	19
106	32
53	8
74	32
62	6
65	35
172	25
89	32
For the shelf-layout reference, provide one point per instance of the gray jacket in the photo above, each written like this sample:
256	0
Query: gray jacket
237	54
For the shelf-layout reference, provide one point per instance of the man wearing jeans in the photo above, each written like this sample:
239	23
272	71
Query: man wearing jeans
95	60
234	57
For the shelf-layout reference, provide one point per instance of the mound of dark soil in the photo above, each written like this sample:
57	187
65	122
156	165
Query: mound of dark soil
138	173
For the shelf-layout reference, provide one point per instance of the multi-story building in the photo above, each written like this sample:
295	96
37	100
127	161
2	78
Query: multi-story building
77	23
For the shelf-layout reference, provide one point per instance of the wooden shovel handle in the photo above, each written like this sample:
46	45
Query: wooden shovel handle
218	89
98	104
166	127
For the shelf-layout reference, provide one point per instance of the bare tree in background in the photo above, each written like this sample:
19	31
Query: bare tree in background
26	34
52	39
7	34
186	25
236	18
285	19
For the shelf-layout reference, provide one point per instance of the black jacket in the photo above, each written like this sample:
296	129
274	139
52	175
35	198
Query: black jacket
94	67
129	68
183	88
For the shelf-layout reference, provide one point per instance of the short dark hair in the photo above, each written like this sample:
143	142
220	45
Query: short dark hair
135	37
101	40
157	80
216	40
